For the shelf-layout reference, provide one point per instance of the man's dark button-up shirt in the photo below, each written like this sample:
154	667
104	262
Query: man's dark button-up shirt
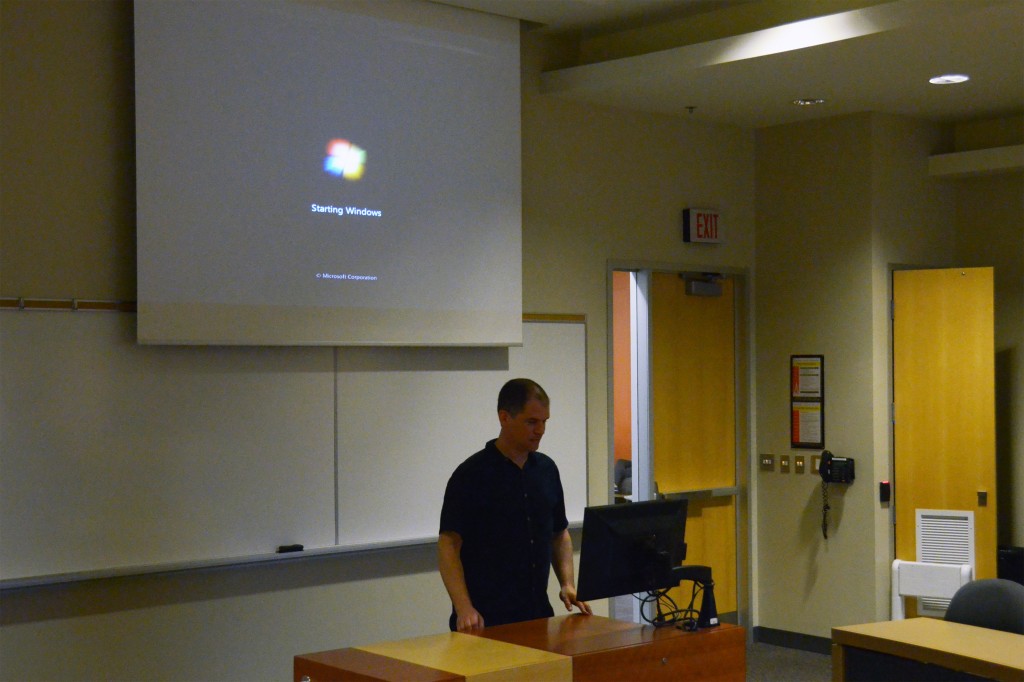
506	517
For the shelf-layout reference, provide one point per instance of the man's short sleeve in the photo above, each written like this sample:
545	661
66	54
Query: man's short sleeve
559	522
453	508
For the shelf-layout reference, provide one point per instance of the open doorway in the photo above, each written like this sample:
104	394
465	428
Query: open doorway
678	428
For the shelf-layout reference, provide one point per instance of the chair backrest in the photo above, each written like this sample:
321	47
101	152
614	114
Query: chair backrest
923	579
624	476
992	603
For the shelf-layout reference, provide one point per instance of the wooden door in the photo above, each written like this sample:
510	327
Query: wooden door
944	403
693	396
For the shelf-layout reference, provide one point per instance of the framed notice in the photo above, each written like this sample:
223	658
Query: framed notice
807	401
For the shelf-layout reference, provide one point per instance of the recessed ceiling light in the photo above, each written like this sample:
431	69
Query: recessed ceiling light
808	102
949	78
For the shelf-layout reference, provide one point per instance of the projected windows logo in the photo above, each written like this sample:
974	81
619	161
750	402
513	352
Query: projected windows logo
345	159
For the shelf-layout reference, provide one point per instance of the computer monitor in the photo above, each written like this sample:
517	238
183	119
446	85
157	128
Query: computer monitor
631	548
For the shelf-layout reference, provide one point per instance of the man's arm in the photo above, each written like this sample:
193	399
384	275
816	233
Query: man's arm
561	561
449	562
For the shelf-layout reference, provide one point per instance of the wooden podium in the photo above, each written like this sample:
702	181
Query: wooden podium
571	647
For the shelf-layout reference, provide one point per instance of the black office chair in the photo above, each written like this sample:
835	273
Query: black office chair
991	603
623	477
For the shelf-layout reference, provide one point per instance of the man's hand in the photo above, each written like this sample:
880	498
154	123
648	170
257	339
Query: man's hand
561	561
568	597
449	549
470	619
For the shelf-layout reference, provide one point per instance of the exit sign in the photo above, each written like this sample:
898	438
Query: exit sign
702	225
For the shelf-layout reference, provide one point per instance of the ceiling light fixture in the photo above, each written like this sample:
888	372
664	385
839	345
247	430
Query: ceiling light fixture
808	101
949	79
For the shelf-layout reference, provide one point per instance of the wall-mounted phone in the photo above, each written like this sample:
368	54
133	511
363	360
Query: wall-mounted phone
832	469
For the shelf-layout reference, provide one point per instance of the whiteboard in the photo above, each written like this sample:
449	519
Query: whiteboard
405	421
114	454
118	458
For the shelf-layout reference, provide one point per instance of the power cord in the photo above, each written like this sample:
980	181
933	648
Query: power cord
824	509
667	612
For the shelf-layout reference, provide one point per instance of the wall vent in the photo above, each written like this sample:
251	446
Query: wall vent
944	536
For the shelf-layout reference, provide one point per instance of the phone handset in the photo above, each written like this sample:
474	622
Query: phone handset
832	469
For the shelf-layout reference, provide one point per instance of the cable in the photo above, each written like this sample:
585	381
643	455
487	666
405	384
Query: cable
824	508
667	612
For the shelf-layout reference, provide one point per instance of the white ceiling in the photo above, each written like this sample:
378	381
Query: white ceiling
875	58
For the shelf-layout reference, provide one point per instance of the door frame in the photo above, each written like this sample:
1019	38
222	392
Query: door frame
743	412
892	416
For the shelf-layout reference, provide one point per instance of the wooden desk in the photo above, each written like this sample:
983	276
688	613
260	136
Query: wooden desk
606	649
593	649
925	648
435	658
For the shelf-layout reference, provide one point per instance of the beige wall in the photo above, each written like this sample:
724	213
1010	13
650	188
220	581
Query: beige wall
990	231
221	624
814	294
602	187
68	150
836	202
840	204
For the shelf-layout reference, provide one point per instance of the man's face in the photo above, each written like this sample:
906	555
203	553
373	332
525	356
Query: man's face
525	430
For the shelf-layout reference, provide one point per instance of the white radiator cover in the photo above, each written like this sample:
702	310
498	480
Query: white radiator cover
944	536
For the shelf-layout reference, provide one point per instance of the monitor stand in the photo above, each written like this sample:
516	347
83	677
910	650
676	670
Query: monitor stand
701	575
